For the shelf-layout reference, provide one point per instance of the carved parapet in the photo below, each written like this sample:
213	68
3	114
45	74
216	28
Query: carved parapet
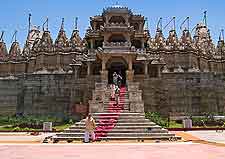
135	96
137	107
133	86
95	106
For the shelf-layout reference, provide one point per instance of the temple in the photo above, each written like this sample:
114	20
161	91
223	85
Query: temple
176	75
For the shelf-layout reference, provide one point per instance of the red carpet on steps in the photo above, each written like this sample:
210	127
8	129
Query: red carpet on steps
108	121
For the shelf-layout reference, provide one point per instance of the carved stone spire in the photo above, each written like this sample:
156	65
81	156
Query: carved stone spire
159	41
172	40
46	43
220	49
15	52
186	40
203	41
61	42
75	40
33	34
3	51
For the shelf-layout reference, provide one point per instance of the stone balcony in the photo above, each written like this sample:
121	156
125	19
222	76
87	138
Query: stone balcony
118	27
117	46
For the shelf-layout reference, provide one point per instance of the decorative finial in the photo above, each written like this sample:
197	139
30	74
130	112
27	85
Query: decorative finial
146	23
159	24
14	36
205	18
221	37
174	23
76	19
1	37
29	23
43	26
187	24
62	24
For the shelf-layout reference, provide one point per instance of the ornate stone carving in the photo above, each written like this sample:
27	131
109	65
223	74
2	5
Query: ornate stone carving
46	43
3	51
61	42
15	52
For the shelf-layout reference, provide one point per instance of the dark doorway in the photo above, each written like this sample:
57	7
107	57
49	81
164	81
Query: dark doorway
119	68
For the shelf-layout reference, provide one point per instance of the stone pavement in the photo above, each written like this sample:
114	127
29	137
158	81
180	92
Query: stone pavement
22	137
211	136
112	151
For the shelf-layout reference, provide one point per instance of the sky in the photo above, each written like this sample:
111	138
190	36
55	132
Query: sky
14	14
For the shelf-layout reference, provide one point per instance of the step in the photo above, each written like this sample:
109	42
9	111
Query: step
120	131
121	114
121	124
112	134
123	127
130	120
56	139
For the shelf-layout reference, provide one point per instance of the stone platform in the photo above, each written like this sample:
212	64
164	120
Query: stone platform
124	121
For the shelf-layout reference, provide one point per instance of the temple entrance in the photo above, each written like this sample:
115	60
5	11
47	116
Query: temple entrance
118	67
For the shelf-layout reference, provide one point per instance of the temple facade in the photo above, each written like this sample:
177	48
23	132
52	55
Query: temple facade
179	75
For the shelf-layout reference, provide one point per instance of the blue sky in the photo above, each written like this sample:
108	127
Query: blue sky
14	14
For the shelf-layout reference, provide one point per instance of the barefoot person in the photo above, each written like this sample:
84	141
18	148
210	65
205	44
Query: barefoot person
89	128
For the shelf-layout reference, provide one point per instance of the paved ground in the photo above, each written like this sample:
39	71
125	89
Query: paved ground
113	151
211	136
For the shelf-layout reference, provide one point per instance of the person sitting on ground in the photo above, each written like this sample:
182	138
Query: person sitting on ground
89	128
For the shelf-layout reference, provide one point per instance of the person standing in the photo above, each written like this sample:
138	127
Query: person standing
117	94
115	78
89	128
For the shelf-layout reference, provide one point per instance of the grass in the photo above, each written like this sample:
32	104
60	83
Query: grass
62	127
174	124
10	128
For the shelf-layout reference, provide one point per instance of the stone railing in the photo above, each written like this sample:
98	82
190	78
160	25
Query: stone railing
116	25
116	44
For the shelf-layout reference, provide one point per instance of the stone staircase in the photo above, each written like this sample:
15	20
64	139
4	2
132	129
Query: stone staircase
126	121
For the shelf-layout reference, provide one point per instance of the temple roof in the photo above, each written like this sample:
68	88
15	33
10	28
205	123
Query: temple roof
61	42
3	51
172	38
46	43
75	40
15	51
117	9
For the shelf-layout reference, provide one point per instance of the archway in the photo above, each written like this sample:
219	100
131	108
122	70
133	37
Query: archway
117	19
117	38
118	65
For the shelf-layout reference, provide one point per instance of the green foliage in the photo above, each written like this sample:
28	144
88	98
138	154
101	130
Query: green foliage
30	123
156	118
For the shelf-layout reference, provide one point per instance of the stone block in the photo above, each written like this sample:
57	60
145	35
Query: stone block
135	95
95	107
137	107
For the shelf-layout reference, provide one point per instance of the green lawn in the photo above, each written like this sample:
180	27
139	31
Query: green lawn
10	128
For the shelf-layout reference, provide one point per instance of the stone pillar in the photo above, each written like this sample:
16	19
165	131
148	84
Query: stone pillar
9	68
130	72
58	61
42	62
76	68
142	44
130	75
104	72
92	43
159	71
88	68
146	68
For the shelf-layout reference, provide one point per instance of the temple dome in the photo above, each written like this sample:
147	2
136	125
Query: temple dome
15	51
3	51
